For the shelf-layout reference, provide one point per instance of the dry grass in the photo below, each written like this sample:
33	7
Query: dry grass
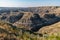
8	33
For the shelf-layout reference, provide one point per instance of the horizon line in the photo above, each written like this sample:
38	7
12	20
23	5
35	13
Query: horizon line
33	6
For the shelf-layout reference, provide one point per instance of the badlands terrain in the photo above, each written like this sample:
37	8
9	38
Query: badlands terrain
29	23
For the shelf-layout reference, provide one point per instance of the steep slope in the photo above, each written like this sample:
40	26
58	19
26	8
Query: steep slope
25	21
51	29
11	17
35	22
7	31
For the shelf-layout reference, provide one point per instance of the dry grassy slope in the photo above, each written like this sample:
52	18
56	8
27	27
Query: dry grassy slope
9	32
54	28
25	20
6	31
26	16
7	27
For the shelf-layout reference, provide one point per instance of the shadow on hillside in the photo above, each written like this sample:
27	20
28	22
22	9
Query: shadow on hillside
38	22
12	18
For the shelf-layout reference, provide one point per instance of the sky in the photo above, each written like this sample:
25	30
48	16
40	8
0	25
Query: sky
28	3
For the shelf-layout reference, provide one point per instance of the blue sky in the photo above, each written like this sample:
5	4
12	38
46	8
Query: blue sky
28	3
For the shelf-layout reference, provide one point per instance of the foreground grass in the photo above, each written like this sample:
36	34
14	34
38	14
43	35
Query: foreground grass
10	32
27	36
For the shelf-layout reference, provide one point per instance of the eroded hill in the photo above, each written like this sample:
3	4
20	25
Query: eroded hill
23	23
31	18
